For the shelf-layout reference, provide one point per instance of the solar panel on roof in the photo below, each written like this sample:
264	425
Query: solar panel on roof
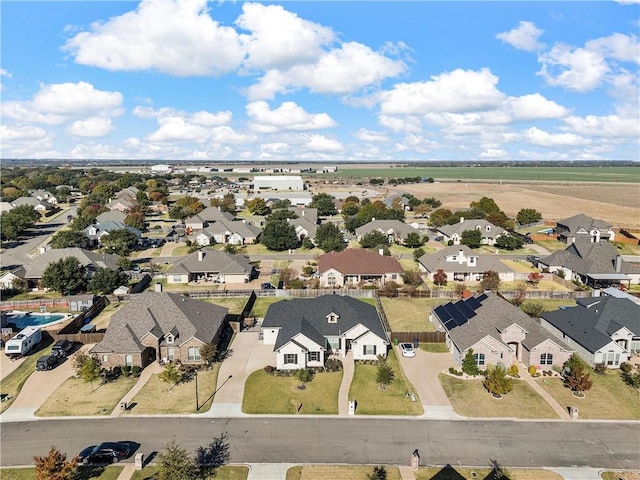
465	320
442	314
459	317
464	308
472	302
482	297
449	324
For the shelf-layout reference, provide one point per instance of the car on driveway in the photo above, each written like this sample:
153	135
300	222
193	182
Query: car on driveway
62	348
103	453
46	362
407	350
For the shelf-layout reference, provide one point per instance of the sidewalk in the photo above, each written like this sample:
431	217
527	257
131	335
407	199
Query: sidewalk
562	412
348	368
144	378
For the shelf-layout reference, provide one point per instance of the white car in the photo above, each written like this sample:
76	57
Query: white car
407	350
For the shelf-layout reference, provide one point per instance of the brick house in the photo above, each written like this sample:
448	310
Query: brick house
354	267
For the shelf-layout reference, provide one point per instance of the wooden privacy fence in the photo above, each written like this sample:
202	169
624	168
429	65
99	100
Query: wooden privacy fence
422	337
34	304
71	330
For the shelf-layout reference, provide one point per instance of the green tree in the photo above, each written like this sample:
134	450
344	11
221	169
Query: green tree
440	217
349	209
209	353
528	215
329	238
304	376
490	280
279	235
307	243
471	238
417	253
533	309
16	221
486	205
258	206
509	242
413	240
227	203
384	374
171	374
282	214
104	281
68	238
54	466
284	203
175	463
66	276
119	241
324	203
87	368
469	364
496	380
374	239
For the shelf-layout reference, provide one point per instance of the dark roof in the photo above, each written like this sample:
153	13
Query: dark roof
472	224
583	222
309	316
385	226
87	258
358	261
159	313
592	322
586	257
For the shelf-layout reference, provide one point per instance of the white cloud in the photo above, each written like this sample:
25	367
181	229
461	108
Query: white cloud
494	154
177	129
523	37
289	116
208	119
370	136
534	107
175	37
91	127
573	68
456	91
624	48
227	135
320	143
540	137
21	133
611	126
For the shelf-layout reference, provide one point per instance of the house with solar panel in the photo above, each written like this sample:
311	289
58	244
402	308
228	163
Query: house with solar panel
498	332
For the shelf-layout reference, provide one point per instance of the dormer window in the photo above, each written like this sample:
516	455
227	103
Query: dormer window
333	317
169	338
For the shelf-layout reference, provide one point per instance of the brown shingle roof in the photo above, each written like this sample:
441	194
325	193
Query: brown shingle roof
358	261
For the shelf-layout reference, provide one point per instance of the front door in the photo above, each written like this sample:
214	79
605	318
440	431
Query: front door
347	345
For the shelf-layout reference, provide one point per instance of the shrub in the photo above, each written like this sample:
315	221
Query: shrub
496	380
453	371
469	364
513	370
126	370
135	371
600	368
532	370
269	369
626	367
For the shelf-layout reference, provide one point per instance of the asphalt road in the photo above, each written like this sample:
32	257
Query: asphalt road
342	440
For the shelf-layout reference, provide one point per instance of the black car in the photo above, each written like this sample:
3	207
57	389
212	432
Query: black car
62	348
46	362
106	452
268	286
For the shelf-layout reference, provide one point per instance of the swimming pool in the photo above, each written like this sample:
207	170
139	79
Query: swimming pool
22	320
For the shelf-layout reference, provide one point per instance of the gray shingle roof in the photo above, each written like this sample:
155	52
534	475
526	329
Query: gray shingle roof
385	226
592	322
582	221
472	224
160	313
87	258
111	216
586	257
213	261
432	262
245	230
309	316
209	214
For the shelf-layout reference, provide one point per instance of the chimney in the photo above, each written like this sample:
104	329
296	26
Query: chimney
618	264
200	255
461	219
460	257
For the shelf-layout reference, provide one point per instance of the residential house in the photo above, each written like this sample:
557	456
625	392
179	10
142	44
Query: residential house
357	267
88	259
600	329
96	231
12	277
235	232
395	230
205	217
6	207
490	232
397	199
306	224
168	327
583	227
596	264
38	205
44	196
213	266
123	204
304	332
498	333
111	216
462	264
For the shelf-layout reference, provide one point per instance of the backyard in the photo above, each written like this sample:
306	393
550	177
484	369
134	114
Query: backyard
410	314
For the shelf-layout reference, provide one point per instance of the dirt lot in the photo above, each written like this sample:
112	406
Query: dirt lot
616	203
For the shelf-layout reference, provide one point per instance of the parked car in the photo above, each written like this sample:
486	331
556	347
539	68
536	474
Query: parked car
106	452
62	348
267	286
46	362
407	350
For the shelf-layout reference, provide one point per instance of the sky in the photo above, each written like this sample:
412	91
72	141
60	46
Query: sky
328	81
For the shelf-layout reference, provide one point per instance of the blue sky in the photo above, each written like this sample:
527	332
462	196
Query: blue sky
327	81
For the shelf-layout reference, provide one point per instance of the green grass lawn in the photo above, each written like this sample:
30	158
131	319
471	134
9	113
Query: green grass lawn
269	394
335	472
543	286
75	397
551	245
627	248
180	251
469	398
487	249
434	347
157	398
552	304
410	314
609	397
84	473
519	266
371	400
225	472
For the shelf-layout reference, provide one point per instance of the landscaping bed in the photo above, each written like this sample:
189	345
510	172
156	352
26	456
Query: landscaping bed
225	472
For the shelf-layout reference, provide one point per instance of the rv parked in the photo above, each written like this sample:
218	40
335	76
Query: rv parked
23	342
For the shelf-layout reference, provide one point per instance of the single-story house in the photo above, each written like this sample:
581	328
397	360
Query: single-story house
39	206
44	196
212	265
10	278
159	326
583	227
398	199
111	216
490	232
306	224
304	332
600	329
596	264
235	232
356	267
462	264
123	204
205	217
498	332
395	230
96	231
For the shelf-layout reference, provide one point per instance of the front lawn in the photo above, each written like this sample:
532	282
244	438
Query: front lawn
466	473
75	398
627	248
609	398
410	314
83	473
469	398
224	472
271	394
334	472
371	400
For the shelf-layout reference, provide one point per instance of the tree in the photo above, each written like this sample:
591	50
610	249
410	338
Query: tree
496	380
171	374
324	203
258	206
284	203
384	374
440	277
68	238
209	353
490	280
379	473
135	219
422	210
104	281
509	242
413	240
119	241
349	209
471	238
307	243
577	379
533	309
486	205
439	217
279	235
534	278
374	239
66	276
527	216
175	463
14	222
470	364
520	289
54	466
282	214
227	203
90	370
329	238
304	376
411	277
417	253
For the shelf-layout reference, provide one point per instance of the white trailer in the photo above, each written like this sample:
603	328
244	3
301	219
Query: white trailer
24	341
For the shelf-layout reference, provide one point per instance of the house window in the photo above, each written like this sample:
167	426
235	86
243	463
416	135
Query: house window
176	279
290	358
169	339
314	356
546	359
479	357
613	358
394	276
333	343
128	360
105	358
171	354
331	279
369	349
193	354
332	318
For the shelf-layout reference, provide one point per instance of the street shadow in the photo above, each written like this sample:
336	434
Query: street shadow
448	473
214	455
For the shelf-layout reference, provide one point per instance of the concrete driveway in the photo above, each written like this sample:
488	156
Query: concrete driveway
7	365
